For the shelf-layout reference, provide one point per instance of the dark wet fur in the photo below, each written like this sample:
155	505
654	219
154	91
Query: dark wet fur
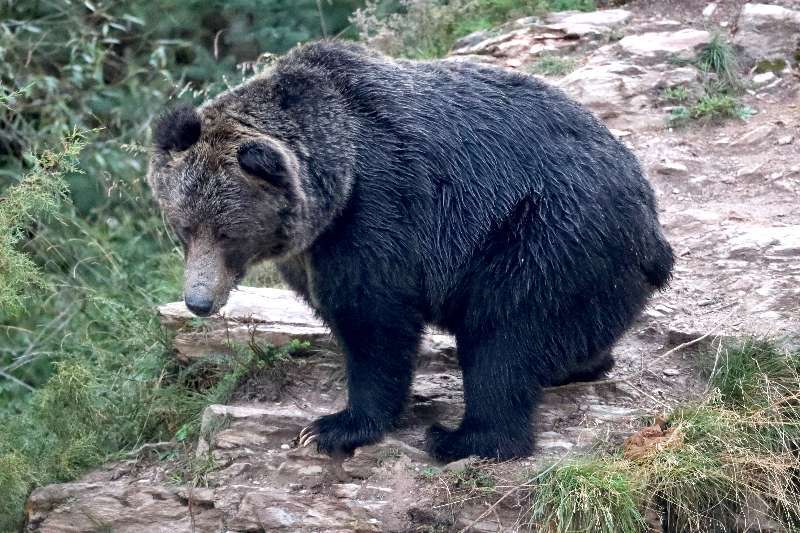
479	200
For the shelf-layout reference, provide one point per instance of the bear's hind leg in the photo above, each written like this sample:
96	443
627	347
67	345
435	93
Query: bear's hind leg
500	391
594	369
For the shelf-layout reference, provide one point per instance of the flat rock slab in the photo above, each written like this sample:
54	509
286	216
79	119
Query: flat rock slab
250	305
661	46
612	18
270	316
130	508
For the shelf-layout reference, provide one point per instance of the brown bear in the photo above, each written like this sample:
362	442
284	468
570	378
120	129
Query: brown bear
395	194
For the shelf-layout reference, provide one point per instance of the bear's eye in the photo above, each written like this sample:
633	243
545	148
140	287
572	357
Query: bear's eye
264	162
184	232
224	237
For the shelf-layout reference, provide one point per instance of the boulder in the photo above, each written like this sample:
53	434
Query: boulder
623	93
768	32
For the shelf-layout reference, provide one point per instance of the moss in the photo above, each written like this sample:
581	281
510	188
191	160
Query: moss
771	65
550	65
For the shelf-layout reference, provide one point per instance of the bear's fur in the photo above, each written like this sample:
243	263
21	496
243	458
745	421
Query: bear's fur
395	194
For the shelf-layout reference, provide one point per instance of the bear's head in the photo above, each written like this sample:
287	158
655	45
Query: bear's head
231	193
257	173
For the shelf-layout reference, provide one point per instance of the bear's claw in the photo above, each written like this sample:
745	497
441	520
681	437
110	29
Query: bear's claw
307	436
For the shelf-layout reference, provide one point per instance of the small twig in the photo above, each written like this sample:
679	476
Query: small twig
151	446
714	368
216	44
512	490
664	355
16	380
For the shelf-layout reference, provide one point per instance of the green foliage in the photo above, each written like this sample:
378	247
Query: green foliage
711	107
678	94
551	65
718	106
15	479
721	84
569	5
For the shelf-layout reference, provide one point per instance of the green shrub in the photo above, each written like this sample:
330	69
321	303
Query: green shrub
37	196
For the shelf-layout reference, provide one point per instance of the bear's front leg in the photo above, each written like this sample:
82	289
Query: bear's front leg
380	344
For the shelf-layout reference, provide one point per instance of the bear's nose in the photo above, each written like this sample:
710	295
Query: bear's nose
198	304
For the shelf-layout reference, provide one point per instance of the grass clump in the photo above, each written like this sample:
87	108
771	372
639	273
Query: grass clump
551	65
587	495
755	372
718	59
730	462
722	84
738	457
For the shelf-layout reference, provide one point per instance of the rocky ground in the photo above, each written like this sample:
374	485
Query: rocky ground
728	194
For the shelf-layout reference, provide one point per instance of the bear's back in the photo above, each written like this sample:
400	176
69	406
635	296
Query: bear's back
451	152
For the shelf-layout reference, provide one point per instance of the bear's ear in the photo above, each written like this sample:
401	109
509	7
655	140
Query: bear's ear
265	162
177	129
301	87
